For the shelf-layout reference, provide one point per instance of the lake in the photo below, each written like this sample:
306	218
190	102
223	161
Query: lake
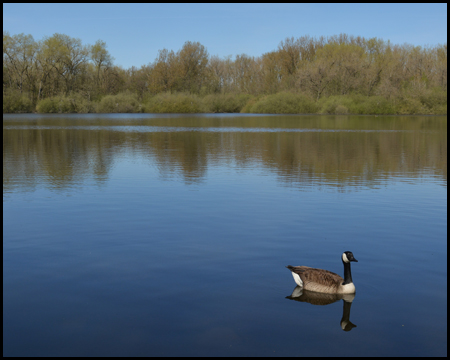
168	235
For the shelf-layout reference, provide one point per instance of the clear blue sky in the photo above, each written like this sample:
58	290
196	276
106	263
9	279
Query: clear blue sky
135	32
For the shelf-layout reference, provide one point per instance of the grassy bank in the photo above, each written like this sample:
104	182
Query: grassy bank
429	102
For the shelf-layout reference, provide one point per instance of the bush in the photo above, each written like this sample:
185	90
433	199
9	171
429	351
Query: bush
73	103
80	104
225	103
440	109
249	105
411	106
373	105
173	103
284	103
341	110
426	101
125	102
435	100
356	104
15	102
55	105
336	104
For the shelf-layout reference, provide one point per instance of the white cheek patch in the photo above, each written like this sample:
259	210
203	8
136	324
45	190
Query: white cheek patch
344	258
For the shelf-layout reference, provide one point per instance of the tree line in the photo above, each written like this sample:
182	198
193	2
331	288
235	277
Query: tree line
343	67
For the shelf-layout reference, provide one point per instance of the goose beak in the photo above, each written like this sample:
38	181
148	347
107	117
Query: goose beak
354	260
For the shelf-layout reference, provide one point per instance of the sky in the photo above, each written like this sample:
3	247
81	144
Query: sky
135	32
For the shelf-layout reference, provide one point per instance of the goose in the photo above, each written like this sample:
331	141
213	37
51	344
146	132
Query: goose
325	281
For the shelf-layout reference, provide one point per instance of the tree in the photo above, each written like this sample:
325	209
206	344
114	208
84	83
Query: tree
440	70
101	58
271	72
164	73
245	74
215	75
193	59
289	60
67	56
19	52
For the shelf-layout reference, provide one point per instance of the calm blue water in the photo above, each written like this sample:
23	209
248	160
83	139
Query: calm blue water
144	235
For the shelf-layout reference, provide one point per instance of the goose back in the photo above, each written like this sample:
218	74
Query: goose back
320	280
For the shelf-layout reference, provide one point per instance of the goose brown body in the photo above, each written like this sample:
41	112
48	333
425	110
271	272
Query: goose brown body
319	280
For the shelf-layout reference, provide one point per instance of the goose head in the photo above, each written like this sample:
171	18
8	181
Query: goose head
347	256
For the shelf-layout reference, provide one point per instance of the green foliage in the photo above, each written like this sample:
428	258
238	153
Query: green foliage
440	110
73	103
435	100
225	103
80	104
335	104
411	106
173	103
356	104
15	102
341	110
125	102
56	105
47	106
373	105
423	101
250	103
341	73
284	103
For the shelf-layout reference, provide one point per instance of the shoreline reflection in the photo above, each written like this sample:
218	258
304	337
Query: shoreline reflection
343	154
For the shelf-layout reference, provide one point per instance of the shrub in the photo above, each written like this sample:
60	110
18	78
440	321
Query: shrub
411	106
55	105
173	103
336	104
225	103
285	103
125	102
73	103
435	100
249	104
356	104
341	110
373	105
15	102
80	104
440	109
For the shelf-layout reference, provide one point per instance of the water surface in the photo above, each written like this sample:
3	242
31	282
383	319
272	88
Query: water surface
135	235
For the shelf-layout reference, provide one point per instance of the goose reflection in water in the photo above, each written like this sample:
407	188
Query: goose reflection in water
315	298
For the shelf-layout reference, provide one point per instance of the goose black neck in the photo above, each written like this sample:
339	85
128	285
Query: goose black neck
347	274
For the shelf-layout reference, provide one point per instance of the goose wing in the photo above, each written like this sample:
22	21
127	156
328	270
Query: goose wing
317	276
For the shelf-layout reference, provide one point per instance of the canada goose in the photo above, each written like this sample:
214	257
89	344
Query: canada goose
325	281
